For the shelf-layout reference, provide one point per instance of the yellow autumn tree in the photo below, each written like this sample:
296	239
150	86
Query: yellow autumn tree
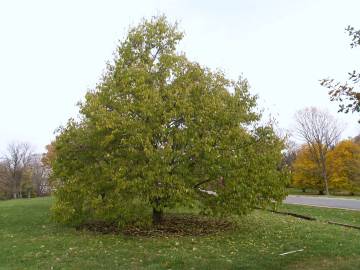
344	166
306	171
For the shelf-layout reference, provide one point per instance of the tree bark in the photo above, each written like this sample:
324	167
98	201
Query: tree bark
326	185
325	176
322	163
157	216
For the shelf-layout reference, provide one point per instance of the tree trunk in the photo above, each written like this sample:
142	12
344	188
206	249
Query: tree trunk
157	216
326	184
14	188
324	173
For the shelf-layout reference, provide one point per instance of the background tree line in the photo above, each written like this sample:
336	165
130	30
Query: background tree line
342	169
323	162
23	174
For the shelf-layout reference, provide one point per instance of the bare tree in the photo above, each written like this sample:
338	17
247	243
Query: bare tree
4	182
39	176
17	160
356	139
320	131
289	154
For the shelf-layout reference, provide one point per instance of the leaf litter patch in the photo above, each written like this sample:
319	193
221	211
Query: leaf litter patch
171	225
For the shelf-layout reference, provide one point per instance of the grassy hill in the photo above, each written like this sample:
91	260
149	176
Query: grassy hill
30	240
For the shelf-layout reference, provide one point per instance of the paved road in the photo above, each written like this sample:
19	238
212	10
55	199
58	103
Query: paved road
353	204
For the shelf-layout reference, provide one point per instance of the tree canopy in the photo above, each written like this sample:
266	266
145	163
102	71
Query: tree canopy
344	164
342	168
161	131
306	173
347	94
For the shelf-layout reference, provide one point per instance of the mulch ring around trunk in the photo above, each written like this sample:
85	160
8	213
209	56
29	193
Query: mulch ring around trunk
171	225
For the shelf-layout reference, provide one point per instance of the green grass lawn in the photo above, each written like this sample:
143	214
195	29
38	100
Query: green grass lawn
30	240
350	217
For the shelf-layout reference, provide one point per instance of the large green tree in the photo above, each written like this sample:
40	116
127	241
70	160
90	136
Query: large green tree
161	131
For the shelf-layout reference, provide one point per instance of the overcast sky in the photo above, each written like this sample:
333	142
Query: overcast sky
52	52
